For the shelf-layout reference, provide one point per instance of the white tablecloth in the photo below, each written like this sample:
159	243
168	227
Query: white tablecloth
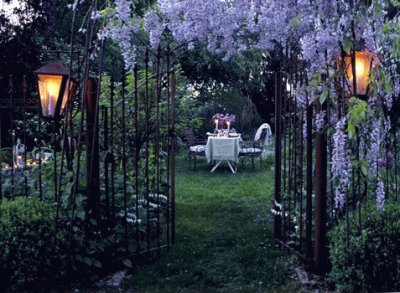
223	148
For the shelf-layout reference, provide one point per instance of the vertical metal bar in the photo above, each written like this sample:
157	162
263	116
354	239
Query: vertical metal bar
330	148
395	161
147	137
112	158
40	160
320	249
67	146
292	152
93	135
137	151
168	145
88	40
295	145
289	158
92	150
284	115
157	144
278	152
69	119
309	184
1	145
1	183
106	163
124	158
173	145
55	127
24	95
353	59
301	175
11	112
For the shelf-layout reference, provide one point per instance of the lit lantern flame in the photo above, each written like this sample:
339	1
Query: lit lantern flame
53	79
364	61
49	90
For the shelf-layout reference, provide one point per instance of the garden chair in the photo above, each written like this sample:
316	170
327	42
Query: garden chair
196	147
255	150
251	151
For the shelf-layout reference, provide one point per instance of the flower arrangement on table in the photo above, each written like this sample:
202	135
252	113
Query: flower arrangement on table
220	120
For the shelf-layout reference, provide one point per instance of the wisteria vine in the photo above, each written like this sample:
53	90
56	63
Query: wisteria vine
325	30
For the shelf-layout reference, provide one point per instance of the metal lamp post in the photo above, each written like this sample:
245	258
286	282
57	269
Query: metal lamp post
53	82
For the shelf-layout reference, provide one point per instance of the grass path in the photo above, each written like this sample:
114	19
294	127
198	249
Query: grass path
224	237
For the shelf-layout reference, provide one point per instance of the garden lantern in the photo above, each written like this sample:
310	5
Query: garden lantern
363	64
52	80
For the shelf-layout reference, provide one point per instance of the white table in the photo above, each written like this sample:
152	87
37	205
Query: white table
220	149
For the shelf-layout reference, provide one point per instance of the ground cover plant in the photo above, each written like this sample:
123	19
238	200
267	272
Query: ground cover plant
225	241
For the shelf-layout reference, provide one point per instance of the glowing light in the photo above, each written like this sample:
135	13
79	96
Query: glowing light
364	61
53	82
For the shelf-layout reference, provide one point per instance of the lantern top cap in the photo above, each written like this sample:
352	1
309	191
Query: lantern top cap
53	68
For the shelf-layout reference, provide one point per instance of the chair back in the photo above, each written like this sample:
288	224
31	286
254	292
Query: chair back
189	136
261	140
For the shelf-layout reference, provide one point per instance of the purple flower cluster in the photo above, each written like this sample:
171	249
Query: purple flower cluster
302	99
75	4
223	119
305	126
388	160
380	195
122	29
341	163
373	150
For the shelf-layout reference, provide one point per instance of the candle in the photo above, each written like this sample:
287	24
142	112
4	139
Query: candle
229	125
20	162
52	98
216	125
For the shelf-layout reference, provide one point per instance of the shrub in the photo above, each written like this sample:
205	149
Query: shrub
371	261
30	258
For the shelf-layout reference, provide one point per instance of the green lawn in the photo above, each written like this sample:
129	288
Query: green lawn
224	236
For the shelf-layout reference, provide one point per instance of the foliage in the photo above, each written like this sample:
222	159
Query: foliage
245	76
357	114
31	255
367	258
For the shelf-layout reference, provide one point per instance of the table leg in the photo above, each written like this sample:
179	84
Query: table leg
232	168
216	166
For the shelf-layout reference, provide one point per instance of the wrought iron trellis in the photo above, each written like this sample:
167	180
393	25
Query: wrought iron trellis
304	183
301	157
118	138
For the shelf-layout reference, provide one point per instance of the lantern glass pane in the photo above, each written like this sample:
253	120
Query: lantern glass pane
49	90
65	96
363	65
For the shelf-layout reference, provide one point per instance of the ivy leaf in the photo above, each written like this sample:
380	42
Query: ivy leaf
351	130
128	263
364	168
142	24
323	96
80	214
296	21
87	261
347	45
96	263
